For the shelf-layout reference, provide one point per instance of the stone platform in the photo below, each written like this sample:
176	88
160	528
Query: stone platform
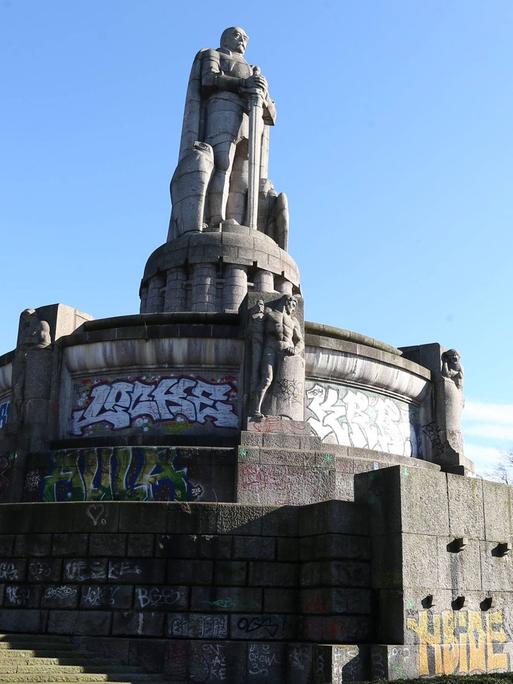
328	592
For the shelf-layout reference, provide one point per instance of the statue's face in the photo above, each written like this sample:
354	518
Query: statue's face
235	39
454	357
290	305
261	306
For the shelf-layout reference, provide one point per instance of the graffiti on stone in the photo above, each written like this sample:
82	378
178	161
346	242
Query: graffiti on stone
262	659
257	626
157	597
165	403
459	642
39	570
60	592
8	571
363	419
97	514
99	596
81	570
197	626
209	663
124	568
114	474
4	413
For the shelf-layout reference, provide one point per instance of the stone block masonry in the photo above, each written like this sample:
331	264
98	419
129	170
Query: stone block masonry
248	591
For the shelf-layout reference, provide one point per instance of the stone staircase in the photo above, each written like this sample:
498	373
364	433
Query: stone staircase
31	658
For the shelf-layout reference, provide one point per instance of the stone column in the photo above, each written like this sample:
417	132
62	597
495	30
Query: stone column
282	285
175	299
235	286
263	281
154	301
204	287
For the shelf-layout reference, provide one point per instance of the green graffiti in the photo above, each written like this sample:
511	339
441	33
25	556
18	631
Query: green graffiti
116	474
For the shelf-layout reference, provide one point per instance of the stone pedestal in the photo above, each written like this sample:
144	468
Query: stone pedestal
213	271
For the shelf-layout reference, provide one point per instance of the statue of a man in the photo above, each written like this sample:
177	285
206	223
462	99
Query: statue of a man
216	113
282	337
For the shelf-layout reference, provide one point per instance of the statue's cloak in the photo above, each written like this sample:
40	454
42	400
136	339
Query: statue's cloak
193	116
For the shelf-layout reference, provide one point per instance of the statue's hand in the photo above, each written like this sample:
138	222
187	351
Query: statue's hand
256	82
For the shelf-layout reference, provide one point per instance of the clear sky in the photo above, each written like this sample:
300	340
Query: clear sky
394	143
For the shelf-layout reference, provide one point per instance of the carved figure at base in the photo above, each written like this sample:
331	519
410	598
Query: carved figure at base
33	332
282	338
218	102
451	402
452	368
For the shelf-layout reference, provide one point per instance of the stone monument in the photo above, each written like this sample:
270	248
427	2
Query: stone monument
220	491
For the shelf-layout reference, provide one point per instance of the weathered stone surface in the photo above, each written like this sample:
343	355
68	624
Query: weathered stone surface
394	662
231	573
69	544
459	571
325	601
107	544
272	574
140	545
466	517
33	545
79	622
497	511
248	548
136	623
190	571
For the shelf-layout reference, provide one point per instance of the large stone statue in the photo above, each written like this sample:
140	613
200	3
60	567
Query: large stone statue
227	116
281	363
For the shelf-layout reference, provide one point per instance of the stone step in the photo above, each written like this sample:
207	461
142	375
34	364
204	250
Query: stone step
46	637
80	658
33	652
43	659
32	643
37	666
56	676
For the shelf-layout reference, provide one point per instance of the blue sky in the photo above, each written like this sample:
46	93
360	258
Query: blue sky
394	143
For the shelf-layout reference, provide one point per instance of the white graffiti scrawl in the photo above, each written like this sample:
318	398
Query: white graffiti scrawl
342	415
122	403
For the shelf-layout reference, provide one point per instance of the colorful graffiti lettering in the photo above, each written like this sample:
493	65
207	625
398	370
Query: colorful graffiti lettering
122	404
117	474
461	642
4	413
340	415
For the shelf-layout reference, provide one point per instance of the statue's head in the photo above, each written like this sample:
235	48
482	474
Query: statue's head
235	39
290	304
452	357
260	305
